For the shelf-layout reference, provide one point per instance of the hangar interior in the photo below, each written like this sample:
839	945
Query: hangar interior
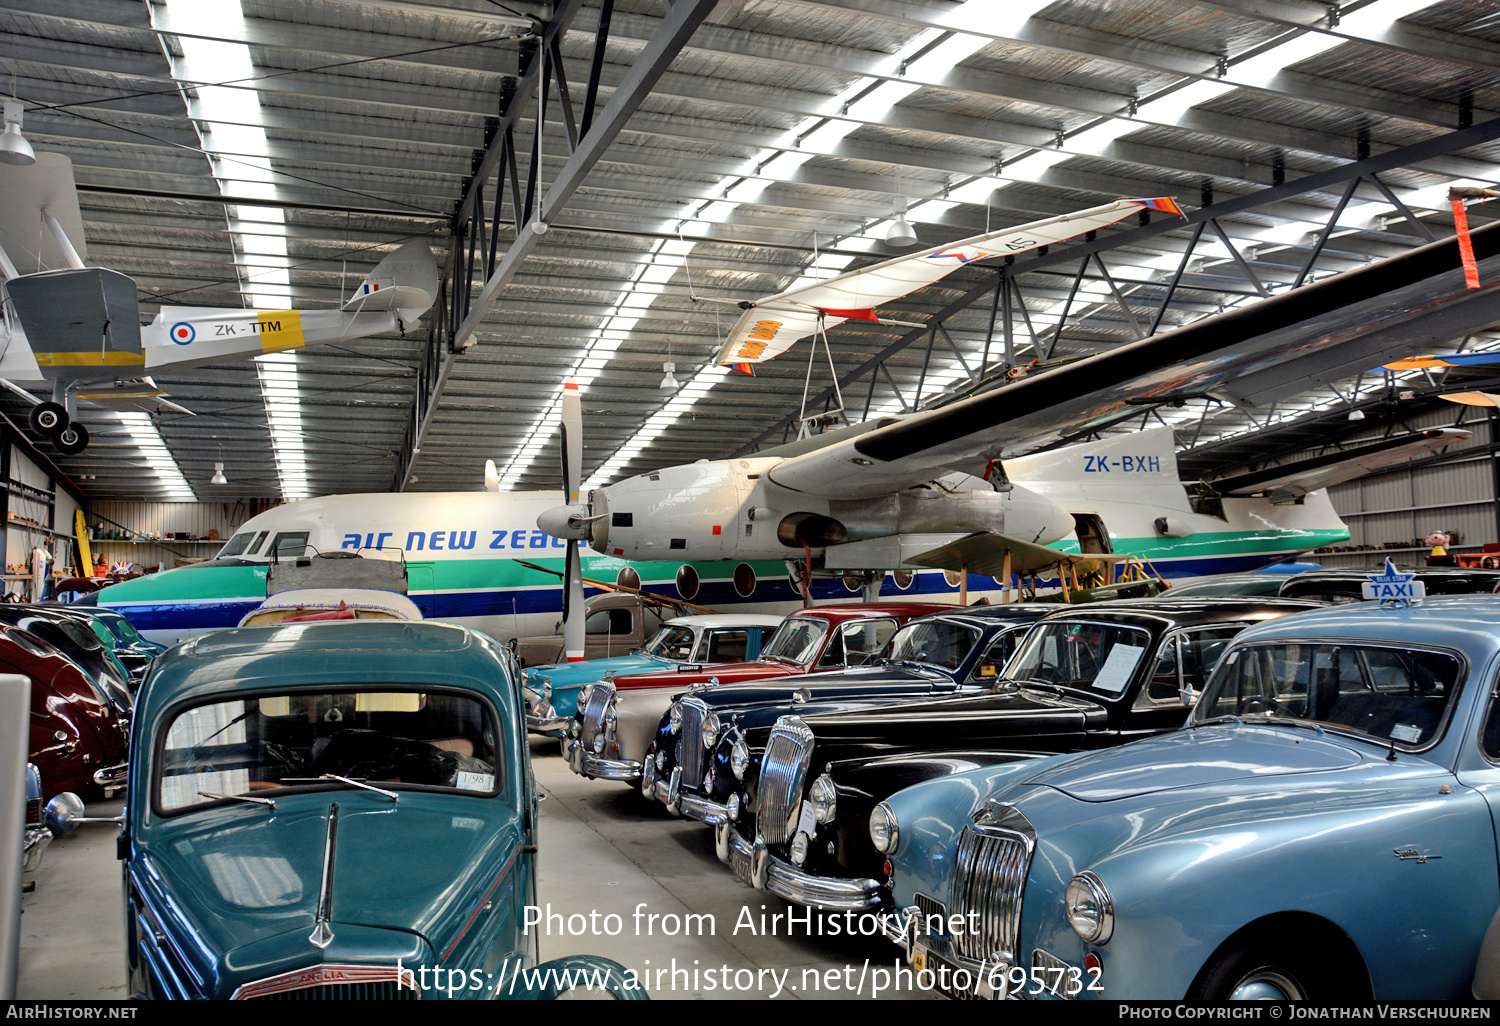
605	184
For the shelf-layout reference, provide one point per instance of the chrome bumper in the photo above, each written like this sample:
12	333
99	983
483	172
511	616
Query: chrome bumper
37	839
541	718
111	778
706	810
756	866
587	764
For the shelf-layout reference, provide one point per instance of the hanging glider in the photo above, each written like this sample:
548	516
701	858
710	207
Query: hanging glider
770	327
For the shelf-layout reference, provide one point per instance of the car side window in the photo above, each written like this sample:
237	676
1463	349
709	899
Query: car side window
1184	662
608	621
865	639
726	646
992	663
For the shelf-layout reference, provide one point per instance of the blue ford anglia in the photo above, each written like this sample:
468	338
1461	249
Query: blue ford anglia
323	810
1323	828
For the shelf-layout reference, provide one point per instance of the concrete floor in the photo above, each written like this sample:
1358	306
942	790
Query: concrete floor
603	848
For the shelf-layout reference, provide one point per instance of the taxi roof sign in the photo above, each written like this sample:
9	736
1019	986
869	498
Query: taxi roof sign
1393	586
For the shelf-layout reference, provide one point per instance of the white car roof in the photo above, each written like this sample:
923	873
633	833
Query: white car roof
726	620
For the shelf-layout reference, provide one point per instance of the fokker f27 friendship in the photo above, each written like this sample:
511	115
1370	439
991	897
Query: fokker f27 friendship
77	328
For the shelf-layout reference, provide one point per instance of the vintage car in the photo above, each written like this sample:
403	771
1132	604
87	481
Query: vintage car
75	738
1323	828
803	790
68	633
683	642
36	836
1345	585
612	733
615	624
120	637
285	778
962	650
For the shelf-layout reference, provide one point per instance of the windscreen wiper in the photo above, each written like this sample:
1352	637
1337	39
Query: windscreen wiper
239	798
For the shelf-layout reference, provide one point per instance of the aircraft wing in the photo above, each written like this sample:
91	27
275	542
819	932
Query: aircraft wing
770	327
984	554
1257	354
1293	480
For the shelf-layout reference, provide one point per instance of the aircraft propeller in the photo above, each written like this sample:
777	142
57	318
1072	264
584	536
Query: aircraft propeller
572	469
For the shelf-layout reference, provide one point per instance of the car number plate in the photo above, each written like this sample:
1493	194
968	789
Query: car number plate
956	982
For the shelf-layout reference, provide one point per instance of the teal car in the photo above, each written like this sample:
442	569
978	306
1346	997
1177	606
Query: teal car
334	810
696	641
120	637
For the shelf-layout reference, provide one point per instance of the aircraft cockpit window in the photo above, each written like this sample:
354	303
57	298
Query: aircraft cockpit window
237	545
289	544
260	539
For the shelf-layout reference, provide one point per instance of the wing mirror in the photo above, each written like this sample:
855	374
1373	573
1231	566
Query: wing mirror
64	815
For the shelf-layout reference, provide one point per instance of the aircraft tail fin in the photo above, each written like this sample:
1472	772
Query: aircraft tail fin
406	281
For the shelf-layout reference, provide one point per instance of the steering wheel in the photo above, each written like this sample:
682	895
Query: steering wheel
1257	705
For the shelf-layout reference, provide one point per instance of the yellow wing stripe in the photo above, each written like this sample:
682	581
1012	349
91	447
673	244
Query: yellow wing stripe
90	359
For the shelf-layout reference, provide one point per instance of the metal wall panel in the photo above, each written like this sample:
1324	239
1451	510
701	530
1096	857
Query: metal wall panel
196	520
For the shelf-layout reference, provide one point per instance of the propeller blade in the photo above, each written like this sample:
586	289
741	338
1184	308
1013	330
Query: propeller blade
491	477
572	440
573	608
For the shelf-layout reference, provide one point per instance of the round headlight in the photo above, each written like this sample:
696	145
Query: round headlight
708	782
573	729
674	717
799	848
661	760
885	834
824	798
1090	910
733	809
711	728
598	744
739	759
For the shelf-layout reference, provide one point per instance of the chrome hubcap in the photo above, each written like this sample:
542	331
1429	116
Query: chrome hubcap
1267	985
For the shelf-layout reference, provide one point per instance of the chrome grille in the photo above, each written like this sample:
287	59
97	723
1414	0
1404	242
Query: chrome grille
782	770
345	992
334	983
692	743
989	875
593	714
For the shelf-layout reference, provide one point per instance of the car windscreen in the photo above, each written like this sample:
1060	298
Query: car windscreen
933	643
797	640
1391	695
259	746
1097	657
1255	585
671	643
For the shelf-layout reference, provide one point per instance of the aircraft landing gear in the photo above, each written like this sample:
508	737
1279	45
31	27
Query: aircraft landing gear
55	422
71	440
48	418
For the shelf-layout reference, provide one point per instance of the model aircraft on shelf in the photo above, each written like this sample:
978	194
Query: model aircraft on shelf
978	485
76	329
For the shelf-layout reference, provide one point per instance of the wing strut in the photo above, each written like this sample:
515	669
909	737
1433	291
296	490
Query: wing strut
806	421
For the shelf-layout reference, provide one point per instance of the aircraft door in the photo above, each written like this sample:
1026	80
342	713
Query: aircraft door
419	585
1093	536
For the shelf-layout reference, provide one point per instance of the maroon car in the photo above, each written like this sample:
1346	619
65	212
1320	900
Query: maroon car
77	742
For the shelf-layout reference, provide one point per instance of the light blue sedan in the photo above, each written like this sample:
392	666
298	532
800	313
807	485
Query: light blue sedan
552	691
1323	828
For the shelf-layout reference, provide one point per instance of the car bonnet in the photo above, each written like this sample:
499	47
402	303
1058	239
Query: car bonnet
1202	757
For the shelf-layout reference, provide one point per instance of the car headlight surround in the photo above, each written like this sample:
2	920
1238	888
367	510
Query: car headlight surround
739	759
824	798
733	808
885	832
674	718
1090	909
711	728
800	845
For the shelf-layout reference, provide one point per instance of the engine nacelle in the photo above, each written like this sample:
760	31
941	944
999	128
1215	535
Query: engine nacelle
729	509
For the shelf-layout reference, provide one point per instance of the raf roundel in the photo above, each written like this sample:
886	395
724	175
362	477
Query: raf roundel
183	333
